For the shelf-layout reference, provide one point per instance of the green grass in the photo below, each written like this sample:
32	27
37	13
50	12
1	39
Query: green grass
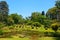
14	39
42	38
40	29
47	38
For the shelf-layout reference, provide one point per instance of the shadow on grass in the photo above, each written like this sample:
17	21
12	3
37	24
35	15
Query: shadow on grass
57	38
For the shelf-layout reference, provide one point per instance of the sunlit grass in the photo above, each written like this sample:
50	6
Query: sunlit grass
41	38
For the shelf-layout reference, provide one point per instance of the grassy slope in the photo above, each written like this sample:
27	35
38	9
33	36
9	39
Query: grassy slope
41	29
42	38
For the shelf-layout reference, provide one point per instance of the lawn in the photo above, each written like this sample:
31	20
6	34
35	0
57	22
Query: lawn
14	39
29	30
42	38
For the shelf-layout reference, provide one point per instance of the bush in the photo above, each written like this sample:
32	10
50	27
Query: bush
2	25
55	26
36	24
1	32
29	23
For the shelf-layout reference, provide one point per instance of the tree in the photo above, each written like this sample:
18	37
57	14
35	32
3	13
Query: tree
52	10
57	4
51	13
37	17
3	11
43	13
10	21
47	24
17	18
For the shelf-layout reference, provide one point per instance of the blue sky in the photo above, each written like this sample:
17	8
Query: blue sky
26	7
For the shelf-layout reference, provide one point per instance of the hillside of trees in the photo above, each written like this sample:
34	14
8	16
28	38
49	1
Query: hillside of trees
38	21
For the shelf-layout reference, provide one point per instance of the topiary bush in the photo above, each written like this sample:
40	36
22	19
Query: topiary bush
55	26
36	24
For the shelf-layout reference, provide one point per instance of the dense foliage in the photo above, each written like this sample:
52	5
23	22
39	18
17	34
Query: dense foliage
13	22
37	19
